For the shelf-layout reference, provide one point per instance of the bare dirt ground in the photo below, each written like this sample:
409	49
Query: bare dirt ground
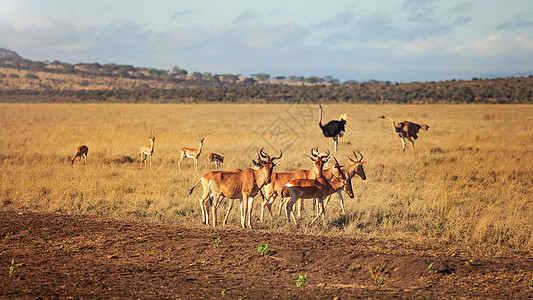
73	256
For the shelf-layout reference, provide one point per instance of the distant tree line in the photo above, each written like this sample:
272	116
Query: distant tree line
228	88
508	90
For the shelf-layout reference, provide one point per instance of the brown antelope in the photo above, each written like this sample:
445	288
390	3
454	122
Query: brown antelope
80	152
216	158
191	153
243	185
406	130
355	168
318	188
279	180
147	151
206	200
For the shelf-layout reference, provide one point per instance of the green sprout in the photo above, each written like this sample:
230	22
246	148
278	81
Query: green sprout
263	249
300	282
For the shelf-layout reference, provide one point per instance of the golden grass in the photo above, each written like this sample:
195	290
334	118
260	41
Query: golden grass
468	181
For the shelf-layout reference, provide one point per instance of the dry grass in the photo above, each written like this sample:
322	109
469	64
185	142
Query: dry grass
468	181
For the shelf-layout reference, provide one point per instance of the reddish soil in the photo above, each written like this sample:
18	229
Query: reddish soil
74	256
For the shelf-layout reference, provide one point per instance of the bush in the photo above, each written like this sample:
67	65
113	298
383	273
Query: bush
31	76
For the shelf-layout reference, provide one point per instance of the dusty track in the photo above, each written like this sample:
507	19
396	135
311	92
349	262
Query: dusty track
77	256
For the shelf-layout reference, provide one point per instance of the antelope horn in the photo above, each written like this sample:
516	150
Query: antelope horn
259	157
361	156
280	155
314	152
264	154
327	154
356	159
336	162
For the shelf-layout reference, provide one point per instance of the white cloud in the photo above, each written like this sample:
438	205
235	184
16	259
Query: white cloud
493	45
32	23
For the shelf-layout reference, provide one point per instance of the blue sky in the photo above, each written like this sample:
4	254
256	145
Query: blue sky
409	40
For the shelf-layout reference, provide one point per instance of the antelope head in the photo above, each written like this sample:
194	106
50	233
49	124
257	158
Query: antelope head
201	140
319	159
267	163
358	163
347	183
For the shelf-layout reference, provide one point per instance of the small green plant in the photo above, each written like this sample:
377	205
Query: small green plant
263	249
223	292
12	269
415	295
432	268
7	237
199	262
531	282
216	242
377	274
469	262
185	213
300	282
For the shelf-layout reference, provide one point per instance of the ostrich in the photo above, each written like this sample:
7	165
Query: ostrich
334	128
406	130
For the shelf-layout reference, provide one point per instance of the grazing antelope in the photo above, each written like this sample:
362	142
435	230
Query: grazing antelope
191	153
406	130
279	180
81	151
356	168
243	185
206	200
216	158
147	151
318	188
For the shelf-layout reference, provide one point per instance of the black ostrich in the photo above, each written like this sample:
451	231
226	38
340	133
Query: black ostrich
334	128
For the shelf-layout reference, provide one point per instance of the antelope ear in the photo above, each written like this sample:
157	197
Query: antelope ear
312	159
256	163
353	161
362	162
275	163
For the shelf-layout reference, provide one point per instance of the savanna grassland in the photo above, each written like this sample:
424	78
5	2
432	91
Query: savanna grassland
468	181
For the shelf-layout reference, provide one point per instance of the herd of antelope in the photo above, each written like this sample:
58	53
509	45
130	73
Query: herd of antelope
316	183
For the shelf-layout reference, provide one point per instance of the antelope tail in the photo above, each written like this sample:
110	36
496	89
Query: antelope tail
424	126
192	189
281	194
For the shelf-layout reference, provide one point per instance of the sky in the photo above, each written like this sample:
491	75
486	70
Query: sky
387	40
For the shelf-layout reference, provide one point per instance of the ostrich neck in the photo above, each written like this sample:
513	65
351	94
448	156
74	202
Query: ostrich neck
393	124
320	117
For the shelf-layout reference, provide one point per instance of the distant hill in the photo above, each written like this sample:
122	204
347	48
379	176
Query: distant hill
6	54
24	80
